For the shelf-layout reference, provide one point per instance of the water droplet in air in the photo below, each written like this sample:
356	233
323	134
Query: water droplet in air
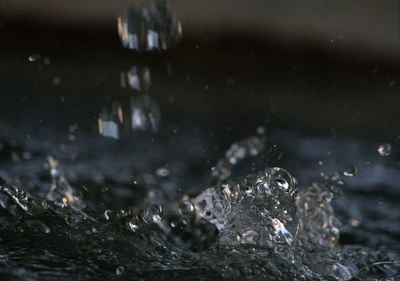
34	57
162	172
120	270
350	172
384	149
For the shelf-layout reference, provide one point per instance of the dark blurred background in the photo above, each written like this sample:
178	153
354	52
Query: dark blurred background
323	67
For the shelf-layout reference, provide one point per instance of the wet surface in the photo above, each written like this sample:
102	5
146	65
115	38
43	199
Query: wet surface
188	165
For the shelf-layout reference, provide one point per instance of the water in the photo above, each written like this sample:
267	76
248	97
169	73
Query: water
133	186
265	225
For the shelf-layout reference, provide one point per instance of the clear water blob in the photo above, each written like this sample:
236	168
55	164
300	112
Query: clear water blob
149	26
260	209
318	226
385	149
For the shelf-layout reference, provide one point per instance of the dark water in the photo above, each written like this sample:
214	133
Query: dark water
151	167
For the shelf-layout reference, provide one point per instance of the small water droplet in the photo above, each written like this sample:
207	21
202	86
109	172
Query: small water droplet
384	149
350	172
162	172
34	57
120	270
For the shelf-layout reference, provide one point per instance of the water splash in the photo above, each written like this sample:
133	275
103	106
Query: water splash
60	189
263	226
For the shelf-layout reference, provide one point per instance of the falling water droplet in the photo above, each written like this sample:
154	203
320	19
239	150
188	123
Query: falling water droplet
384	149
149	26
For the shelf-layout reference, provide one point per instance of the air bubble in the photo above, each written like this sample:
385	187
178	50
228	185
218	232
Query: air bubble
282	183
186	208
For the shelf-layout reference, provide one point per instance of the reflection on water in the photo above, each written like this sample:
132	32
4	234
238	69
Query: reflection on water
134	112
149	26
